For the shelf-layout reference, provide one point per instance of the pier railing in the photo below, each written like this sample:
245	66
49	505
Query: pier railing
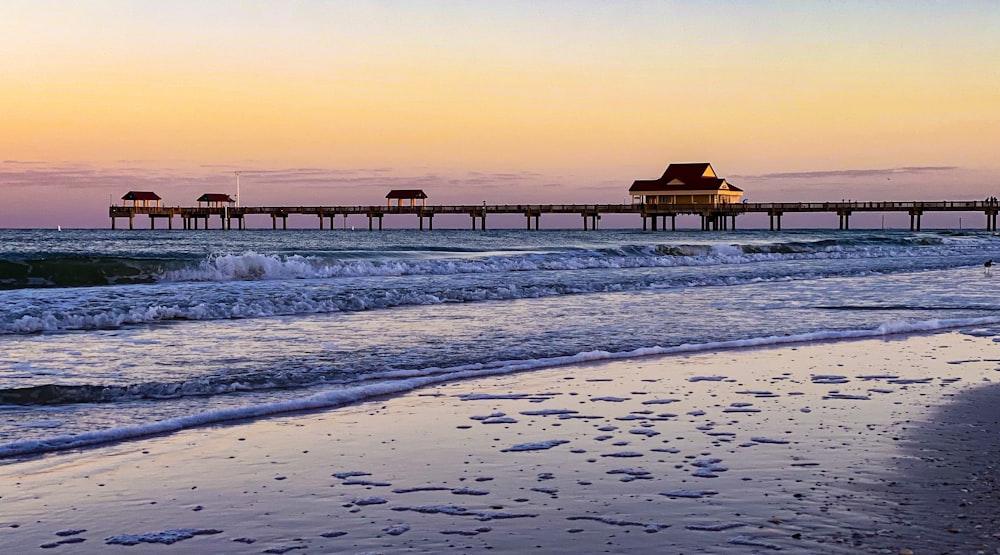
713	216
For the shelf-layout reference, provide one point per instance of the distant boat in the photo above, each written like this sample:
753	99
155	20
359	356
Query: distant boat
58	228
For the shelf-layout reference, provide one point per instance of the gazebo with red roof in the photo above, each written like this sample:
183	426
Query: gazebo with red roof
216	200
399	195
145	199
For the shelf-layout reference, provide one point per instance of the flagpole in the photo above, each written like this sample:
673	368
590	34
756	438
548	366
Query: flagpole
237	189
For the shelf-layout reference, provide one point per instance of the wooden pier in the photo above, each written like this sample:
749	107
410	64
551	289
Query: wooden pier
654	216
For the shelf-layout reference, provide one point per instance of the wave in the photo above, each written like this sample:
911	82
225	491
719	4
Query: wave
30	312
113	309
78	271
85	271
412	380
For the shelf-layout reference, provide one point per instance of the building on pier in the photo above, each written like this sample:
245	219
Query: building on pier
144	199
686	184
412	195
215	200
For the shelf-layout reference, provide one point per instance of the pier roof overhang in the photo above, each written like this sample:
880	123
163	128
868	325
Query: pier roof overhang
406	194
141	195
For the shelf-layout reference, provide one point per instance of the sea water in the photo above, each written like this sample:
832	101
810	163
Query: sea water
116	335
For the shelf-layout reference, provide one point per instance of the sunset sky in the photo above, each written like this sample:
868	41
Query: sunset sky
335	102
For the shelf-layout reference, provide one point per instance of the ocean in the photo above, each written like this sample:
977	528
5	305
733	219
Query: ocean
118	335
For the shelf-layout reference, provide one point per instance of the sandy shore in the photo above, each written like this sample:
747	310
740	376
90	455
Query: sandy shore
851	447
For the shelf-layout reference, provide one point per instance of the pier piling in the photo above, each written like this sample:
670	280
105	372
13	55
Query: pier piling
653	216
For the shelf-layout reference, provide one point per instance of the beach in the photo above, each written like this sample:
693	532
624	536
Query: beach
881	445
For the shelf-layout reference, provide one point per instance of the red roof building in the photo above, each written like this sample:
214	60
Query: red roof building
215	200
686	184
142	198
399	195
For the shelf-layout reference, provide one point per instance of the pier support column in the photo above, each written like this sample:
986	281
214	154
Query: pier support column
321	221
643	222
274	222
775	221
844	219
131	221
482	218
915	219
112	223
652	221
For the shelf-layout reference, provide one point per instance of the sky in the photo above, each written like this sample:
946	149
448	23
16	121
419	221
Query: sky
328	102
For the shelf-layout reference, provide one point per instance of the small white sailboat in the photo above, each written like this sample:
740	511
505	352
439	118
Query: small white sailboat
58	228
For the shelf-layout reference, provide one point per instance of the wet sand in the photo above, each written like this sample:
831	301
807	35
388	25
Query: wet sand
872	446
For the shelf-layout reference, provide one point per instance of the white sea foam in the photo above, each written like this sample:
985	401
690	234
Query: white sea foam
339	397
324	283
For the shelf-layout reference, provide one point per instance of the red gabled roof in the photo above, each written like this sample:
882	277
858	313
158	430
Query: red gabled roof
699	176
688	172
406	193
215	197
141	195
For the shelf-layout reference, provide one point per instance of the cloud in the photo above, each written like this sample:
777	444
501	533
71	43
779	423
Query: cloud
127	176
880	172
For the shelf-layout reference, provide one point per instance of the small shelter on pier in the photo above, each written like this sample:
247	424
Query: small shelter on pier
144	199
215	200
686	184
412	195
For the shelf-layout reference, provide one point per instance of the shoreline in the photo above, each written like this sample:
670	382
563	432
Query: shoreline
337	398
825	447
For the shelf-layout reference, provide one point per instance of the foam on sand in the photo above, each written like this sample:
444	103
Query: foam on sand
410	380
401	472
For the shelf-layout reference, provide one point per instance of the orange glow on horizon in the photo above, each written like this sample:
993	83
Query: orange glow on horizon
455	88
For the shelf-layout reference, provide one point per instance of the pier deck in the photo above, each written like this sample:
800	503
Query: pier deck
713	217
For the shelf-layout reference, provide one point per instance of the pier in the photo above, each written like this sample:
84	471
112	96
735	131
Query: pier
714	217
